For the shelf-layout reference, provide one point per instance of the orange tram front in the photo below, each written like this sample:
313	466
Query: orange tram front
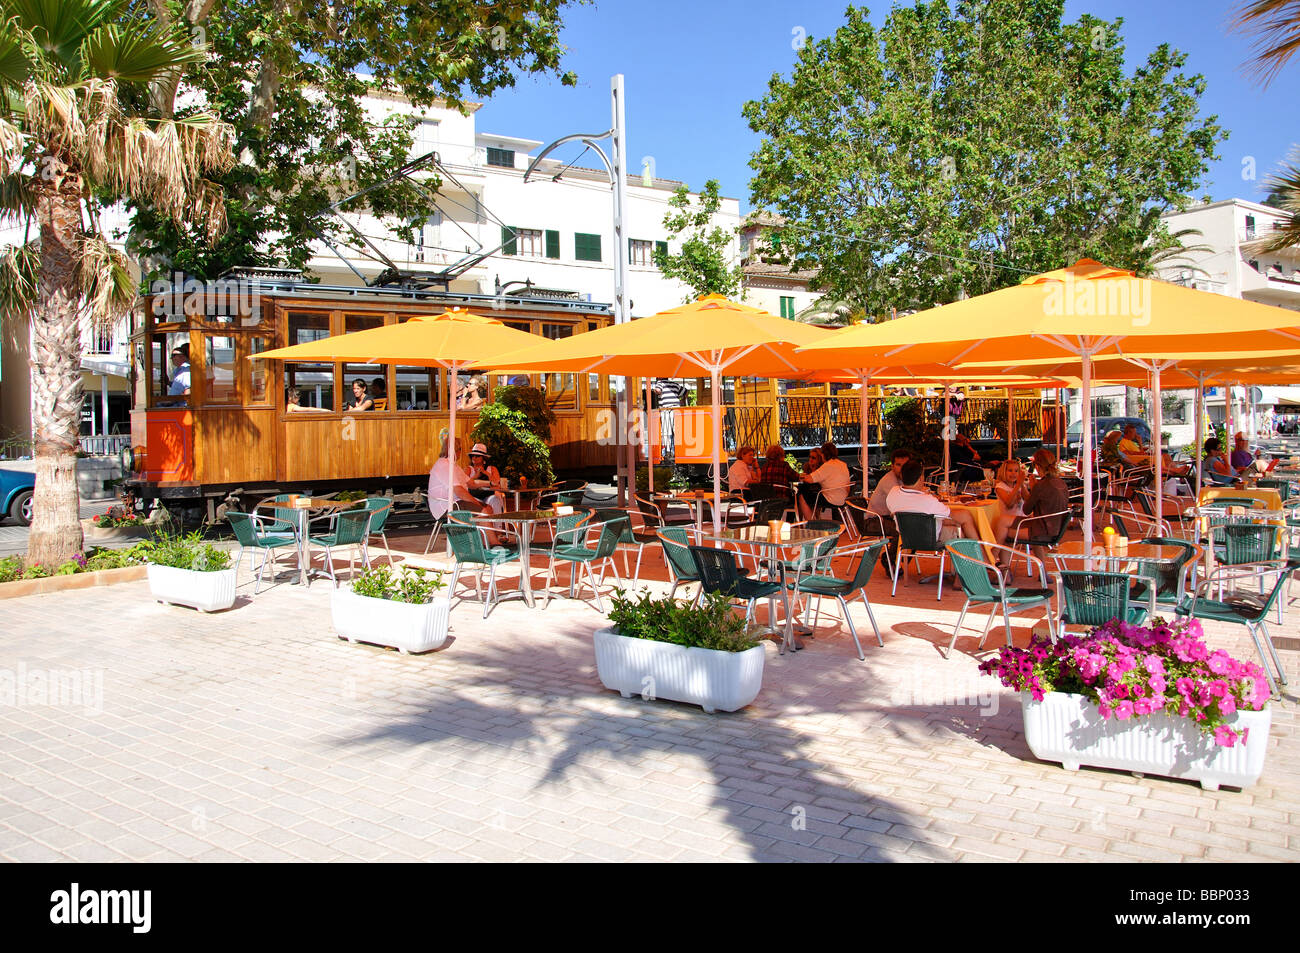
208	423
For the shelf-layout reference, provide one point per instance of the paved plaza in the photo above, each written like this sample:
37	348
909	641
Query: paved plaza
256	734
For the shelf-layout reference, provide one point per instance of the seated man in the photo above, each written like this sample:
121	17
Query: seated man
964	460
910	496
886	483
777	472
1241	460
1131	451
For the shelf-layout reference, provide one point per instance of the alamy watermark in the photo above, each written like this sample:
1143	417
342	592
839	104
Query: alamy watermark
928	688
188	296
56	687
1116	297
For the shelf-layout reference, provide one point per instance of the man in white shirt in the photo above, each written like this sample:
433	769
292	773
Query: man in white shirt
910	497
743	472
831	479
180	385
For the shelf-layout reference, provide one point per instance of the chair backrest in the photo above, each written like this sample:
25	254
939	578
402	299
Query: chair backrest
772	508
817	556
972	568
677	551
571	530
285	514
1169	577
1246	542
649	513
717	569
766	491
611	533
1283	487
353	526
1247	501
380	508
466	543
244	526
1094	598
918	531
613	513
867	561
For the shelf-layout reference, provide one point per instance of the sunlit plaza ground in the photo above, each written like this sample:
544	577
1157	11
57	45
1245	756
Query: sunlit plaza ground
257	734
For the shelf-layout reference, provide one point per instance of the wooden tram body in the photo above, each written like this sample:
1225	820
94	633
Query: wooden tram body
235	431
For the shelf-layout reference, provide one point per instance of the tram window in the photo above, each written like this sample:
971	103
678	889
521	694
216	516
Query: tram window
361	322
374	377
417	388
305	326
561	391
260	376
169	356
557	331
471	391
314	383
593	388
220	369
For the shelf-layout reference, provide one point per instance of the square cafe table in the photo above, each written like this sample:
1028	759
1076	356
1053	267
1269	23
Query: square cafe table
302	509
759	537
524	521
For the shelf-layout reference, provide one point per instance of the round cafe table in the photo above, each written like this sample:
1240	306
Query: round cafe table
524	522
983	512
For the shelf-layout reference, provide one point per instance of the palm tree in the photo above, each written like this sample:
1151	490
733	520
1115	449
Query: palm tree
73	137
1275	28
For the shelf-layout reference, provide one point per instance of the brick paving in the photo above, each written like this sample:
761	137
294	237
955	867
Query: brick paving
256	734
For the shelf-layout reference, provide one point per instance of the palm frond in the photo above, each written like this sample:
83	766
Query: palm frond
15	63
105	281
17	199
59	27
1275	27
1285	182
137	52
20	265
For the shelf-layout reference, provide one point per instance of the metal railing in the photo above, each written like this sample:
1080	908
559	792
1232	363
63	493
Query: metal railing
105	446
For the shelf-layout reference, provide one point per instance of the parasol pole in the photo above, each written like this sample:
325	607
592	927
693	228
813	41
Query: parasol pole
1085	446
947	390
715	387
453	369
1060	423
1011	424
1200	429
863	377
1157	415
650	447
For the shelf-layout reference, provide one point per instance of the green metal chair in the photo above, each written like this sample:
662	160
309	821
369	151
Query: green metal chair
718	572
1094	598
283	519
821	584
986	584
564	493
347	528
677	554
1283	487
254	533
1244	607
579	555
918	535
1171	581
379	508
631	536
471	551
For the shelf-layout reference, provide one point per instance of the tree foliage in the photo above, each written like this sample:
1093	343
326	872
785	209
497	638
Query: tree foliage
954	149
290	77
703	263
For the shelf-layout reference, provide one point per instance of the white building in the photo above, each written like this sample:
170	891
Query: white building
490	233
1223	257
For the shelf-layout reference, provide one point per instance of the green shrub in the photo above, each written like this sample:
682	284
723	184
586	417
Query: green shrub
100	559
11	568
183	552
906	429
37	571
663	478
713	625
414	585
515	449
530	402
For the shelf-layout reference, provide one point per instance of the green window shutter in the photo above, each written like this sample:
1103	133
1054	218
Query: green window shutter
509	240
552	244
661	247
586	247
787	306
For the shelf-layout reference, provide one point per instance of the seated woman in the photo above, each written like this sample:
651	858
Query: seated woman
815	460
1216	470
831	481
293	402
776	471
1108	452
484	480
361	400
448	477
1010	490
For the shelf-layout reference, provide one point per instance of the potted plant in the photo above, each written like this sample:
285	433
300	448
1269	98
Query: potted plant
660	648
187	571
402	609
1150	700
118	523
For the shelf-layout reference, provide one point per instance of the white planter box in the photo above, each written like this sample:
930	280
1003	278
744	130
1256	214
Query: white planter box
717	681
205	591
402	625
1067	728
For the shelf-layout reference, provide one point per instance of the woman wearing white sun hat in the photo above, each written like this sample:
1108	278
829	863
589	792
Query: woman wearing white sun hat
484	480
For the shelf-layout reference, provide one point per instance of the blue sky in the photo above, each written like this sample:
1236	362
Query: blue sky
690	66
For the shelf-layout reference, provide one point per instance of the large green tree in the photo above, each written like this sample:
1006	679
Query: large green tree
71	73
290	77
703	261
955	148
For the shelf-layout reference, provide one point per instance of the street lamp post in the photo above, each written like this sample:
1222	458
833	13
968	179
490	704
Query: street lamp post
616	168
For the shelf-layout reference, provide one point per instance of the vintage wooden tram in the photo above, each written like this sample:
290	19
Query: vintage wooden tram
234	431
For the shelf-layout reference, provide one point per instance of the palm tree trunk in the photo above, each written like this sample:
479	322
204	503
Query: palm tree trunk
56	376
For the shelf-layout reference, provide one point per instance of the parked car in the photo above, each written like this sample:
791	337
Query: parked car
1102	426
16	488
